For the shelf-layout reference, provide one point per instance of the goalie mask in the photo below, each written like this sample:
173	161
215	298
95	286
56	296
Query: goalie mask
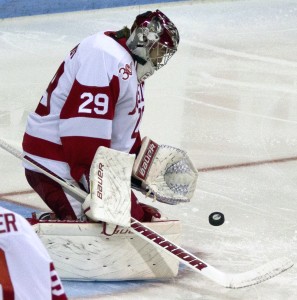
153	40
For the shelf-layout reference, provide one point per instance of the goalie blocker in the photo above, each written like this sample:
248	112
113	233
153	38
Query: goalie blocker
164	173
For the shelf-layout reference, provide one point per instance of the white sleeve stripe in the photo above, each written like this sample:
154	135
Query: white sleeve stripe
87	127
39	127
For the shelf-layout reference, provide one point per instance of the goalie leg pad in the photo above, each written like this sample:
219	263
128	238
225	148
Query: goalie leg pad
82	251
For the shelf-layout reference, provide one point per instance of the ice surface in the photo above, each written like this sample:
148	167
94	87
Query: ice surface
228	97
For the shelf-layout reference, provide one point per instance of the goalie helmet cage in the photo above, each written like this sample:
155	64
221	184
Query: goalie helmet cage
237	280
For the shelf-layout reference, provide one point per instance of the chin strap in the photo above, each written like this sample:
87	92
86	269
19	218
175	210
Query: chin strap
139	59
144	71
144	68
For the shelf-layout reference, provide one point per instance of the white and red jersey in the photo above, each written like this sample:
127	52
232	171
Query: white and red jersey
26	269
93	100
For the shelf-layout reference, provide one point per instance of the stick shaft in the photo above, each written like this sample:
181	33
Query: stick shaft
195	263
18	154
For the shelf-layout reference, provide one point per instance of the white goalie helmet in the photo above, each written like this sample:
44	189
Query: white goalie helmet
153	40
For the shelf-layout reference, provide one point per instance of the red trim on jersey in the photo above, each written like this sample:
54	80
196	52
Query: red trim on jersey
44	110
43	148
81	100
57	288
81	150
5	280
80	153
136	146
41	109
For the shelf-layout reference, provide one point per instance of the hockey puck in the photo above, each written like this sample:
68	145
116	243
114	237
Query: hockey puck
216	219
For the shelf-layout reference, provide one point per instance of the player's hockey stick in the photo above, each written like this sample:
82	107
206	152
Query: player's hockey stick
238	280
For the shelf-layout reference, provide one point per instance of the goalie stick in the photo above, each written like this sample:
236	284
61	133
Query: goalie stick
237	280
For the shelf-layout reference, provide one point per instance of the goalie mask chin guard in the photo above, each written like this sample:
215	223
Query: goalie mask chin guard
154	39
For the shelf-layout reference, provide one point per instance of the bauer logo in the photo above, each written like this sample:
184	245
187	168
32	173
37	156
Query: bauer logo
147	160
100	181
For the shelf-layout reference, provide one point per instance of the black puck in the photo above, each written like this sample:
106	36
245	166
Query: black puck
216	219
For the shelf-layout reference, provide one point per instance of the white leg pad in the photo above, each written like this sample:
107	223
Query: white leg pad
81	251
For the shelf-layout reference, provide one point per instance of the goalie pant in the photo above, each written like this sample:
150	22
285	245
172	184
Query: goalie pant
59	201
26	269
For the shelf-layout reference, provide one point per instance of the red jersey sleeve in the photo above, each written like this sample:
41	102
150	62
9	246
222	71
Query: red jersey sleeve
97	111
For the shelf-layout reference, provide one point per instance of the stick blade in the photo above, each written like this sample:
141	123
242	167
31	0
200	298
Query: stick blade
258	275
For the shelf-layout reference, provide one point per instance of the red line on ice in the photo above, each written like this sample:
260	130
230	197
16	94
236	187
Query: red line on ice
207	169
16	193
248	164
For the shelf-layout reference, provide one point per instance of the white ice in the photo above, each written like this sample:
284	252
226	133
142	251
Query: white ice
228	97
